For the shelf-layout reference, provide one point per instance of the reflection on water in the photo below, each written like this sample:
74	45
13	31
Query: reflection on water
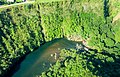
41	59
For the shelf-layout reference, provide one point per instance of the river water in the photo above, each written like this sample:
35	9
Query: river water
39	61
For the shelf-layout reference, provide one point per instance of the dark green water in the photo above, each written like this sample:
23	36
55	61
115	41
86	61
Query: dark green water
38	61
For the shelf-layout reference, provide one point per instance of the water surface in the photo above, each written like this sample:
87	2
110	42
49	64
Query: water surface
39	60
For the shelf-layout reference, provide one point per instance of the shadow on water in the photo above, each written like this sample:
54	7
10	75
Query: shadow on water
41	59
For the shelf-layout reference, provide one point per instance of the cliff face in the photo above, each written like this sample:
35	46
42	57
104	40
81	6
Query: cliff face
25	27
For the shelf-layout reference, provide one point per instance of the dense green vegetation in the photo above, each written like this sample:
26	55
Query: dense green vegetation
25	27
51	20
20	33
96	27
81	63
92	25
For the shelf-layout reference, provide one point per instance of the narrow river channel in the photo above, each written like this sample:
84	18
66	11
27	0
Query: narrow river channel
39	60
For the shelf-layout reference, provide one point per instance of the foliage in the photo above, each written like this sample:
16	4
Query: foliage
109	42
24	28
73	63
52	20
100	34
20	33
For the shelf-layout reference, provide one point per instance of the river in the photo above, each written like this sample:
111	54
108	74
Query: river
40	60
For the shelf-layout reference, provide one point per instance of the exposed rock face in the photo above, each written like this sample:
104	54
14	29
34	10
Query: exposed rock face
74	38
